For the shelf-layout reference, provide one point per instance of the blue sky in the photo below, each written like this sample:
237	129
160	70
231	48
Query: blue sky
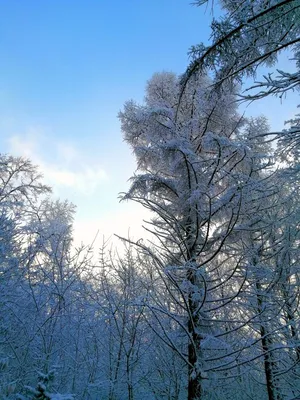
67	67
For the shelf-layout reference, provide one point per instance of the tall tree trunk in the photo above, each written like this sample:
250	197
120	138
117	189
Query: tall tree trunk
269	365
194	347
194	383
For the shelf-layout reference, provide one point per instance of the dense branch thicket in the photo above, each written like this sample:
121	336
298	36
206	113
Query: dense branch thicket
251	34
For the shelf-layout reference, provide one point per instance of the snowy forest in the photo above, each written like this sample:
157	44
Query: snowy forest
207	308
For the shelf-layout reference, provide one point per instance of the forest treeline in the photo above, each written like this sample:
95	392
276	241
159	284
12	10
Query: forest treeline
207	308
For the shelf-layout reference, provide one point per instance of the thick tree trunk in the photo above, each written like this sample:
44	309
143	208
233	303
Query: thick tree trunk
269	365
194	383
194	348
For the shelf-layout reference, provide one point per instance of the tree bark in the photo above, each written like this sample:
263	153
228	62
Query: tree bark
269	365
194	347
194	383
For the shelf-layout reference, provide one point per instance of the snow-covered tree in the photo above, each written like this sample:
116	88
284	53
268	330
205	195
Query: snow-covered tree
40	276
250	34
41	391
194	180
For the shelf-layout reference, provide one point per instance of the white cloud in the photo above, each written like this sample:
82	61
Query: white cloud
67	152
62	164
78	177
126	221
84	180
26	146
